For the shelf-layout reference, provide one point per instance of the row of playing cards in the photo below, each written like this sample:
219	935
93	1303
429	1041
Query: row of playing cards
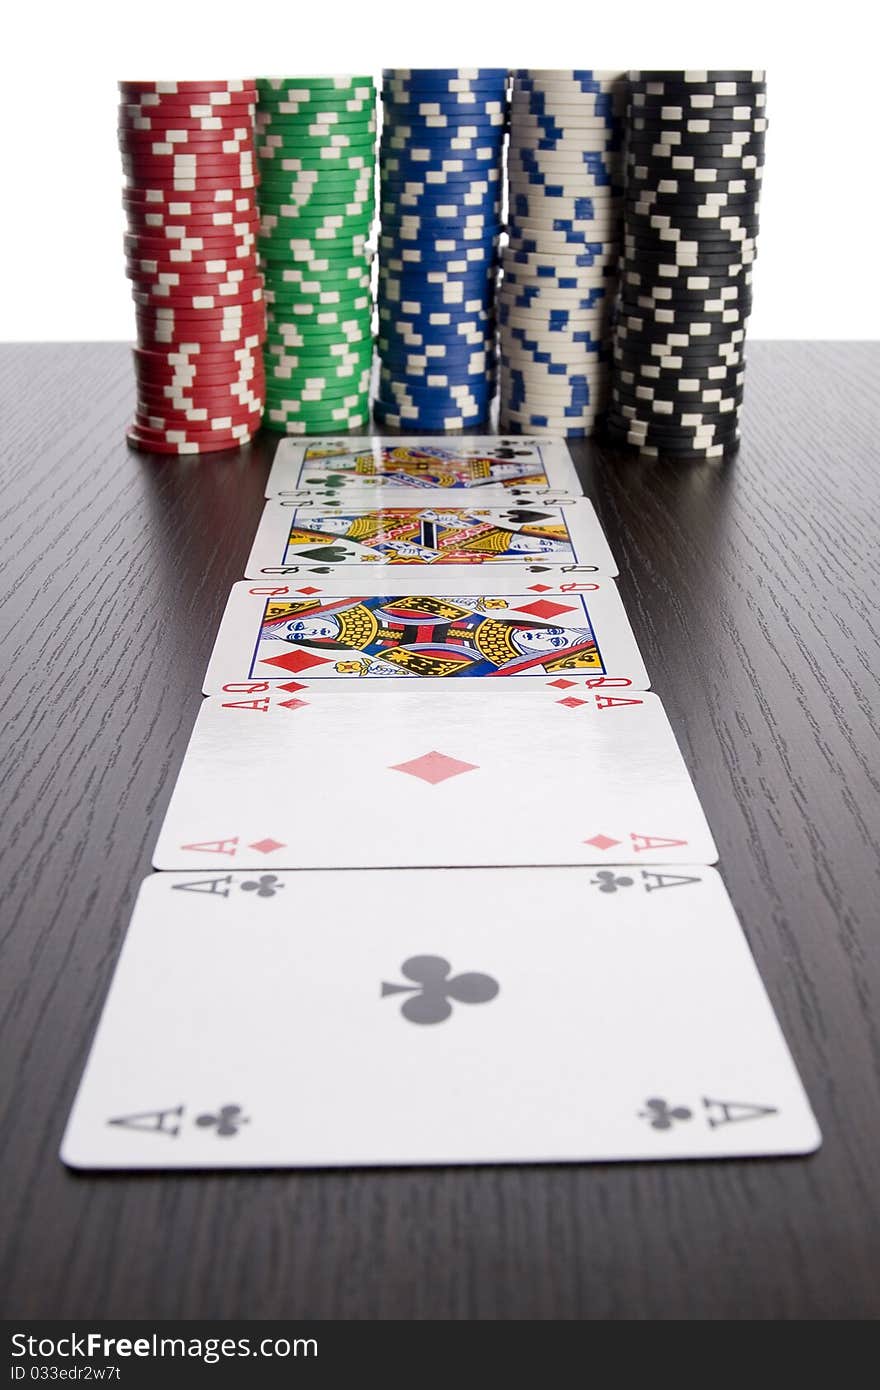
439	888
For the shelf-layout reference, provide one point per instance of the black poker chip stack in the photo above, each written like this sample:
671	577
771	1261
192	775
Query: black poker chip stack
694	162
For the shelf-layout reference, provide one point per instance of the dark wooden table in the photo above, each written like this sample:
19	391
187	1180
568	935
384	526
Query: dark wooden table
752	588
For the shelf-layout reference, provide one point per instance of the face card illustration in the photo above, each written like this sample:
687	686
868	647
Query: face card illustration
306	538
544	632
363	467
460	773
435	1017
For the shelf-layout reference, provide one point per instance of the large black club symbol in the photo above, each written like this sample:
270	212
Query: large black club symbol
434	986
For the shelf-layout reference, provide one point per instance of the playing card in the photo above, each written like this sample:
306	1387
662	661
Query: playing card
424	1016
361	466
297	538
532	632
575	770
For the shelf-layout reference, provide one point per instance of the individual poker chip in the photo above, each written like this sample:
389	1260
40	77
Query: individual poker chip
248	316
223	378
442	109
145	243
677	385
353	102
352	375
575	358
307	287
716	225
163	199
425	142
207	160
712	408
178	226
154	87
569	380
318	347
591	169
194	387
579	409
681	439
697	422
596	231
705	454
682	311
183	255
657	143
662	361
584	203
152	445
697	338
566	122
580	404
173	430
433	77
673	85
717	243
178	306
410	416
696	184
687	76
309	403
351	423
582	398
711	131
676	108
683	278
305	280
529	123
194	107
672	442
213	416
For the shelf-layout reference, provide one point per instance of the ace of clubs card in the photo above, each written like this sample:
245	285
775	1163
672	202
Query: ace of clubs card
419	1017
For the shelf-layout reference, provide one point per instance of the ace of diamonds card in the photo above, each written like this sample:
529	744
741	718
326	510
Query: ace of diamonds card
572	771
423	1016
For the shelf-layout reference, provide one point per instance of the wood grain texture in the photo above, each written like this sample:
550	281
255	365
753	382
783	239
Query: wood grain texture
752	588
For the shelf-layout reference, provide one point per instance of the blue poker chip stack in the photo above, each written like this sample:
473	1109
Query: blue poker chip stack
560	266
440	193
694	164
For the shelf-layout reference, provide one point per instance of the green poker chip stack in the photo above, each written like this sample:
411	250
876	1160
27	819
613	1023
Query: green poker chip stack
316	147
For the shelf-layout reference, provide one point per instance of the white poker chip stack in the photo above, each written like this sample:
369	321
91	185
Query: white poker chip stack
560	264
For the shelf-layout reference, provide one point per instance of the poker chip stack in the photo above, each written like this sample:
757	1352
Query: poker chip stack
440	190
316	148
565	201
694	160
191	254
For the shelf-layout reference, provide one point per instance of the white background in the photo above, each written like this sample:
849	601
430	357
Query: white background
61	234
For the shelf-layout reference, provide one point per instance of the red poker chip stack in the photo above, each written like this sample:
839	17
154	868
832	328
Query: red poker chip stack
191	255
